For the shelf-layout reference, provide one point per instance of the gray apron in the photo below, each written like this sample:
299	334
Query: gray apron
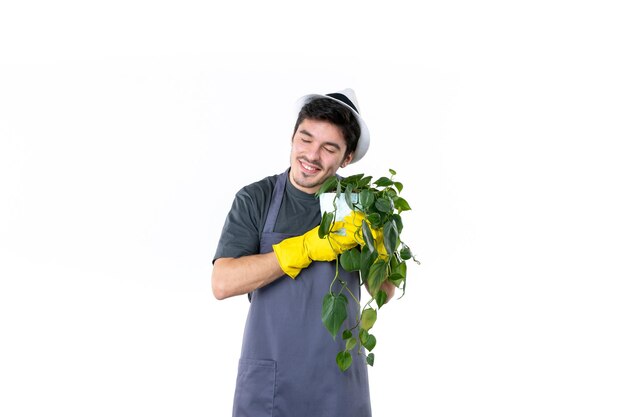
287	366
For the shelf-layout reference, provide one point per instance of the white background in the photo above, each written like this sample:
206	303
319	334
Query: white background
126	127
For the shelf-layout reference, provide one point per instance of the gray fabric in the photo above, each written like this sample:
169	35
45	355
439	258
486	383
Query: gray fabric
241	234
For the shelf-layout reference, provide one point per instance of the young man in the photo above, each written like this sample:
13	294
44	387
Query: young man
270	250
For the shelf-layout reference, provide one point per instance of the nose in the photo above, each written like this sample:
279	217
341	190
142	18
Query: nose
313	153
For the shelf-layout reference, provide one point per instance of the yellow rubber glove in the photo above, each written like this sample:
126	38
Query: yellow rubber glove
379	242
297	253
354	223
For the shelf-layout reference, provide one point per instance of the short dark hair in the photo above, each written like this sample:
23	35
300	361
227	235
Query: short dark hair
329	110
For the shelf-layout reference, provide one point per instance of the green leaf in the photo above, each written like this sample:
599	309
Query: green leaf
325	225
398	186
353	179
383	182
364	182
390	236
393	263
368	318
392	171
368	257
370	359
405	253
398	273
328	185
347	334
348	196
366	198
377	275
344	360
350	260
363	335
350	343
370	342
368	238
381	298
396	218
334	312
374	219
399	269
368	252
401	204
384	205
396	279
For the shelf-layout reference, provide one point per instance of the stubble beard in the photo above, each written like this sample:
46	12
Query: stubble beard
304	181
309	181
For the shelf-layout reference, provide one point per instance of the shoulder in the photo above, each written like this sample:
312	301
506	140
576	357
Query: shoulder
262	187
257	195
259	191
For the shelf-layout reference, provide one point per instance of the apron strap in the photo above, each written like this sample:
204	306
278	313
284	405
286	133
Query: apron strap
277	198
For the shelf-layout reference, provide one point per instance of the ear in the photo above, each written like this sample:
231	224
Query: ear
347	160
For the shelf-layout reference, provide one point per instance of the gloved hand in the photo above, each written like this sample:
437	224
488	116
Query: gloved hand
379	241
298	252
355	221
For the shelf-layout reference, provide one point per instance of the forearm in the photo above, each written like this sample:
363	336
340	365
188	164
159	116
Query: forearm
235	276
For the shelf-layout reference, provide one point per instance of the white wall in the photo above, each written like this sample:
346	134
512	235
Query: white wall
127	127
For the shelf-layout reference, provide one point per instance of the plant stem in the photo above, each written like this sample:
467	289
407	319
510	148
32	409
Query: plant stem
330	290
356	300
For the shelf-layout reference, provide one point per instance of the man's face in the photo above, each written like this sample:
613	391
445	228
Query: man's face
317	150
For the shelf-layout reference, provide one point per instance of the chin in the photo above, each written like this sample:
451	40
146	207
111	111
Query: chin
307	182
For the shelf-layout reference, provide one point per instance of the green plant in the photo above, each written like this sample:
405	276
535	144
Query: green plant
377	262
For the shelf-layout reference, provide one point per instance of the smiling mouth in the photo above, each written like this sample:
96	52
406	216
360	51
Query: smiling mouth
309	168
